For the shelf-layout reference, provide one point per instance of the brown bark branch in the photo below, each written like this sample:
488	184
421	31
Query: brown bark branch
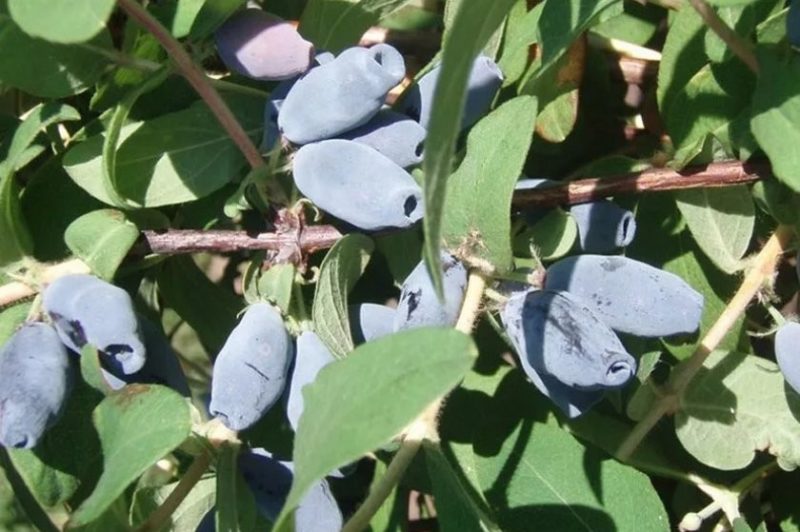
713	175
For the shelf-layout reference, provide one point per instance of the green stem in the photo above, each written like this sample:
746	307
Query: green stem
199	81
735	42
161	515
763	268
424	427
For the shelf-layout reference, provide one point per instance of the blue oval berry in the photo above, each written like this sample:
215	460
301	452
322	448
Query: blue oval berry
357	184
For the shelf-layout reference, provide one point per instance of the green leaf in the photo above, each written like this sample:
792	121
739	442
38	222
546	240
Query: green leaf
522	31
706	106
542	475
16	241
739	404
725	3
187	515
739	18
476	214
691	265
342	267
557	119
68	461
335	25
61	21
11	318
776	115
458	509
562	22
276	285
211	15
682	56
549	238
101	239
92	370
209	309
58	71
236	509
475	22
721	221
137	427
379	389
177	157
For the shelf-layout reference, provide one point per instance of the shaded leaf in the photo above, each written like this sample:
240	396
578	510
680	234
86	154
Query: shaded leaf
137	427
189	512
333	25
101	239
236	509
342	267
682	56
776	115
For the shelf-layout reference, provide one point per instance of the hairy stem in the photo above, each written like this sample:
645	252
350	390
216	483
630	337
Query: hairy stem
424	427
735	42
161	515
763	267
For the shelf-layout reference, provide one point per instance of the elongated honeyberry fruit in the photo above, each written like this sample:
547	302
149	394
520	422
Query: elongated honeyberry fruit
369	321
485	80
566	339
787	353
87	310
312	355
35	380
603	226
420	307
394	135
357	184
262	46
573	402
340	95
629	296
270	480
250	371
273	106
161	367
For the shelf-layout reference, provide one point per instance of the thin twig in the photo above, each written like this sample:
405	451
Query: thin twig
713	175
161	515
735	42
198	80
762	269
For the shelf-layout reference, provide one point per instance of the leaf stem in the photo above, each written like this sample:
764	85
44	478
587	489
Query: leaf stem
161	515
197	79
424	427
402	459
735	42
763	268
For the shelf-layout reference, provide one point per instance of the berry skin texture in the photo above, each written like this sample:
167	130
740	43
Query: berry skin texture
787	353
88	310
571	365
485	80
419	306
358	185
250	371
261	46
392	134
341	94
35	381
270	480
161	367
369	321
603	226
312	356
629	296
